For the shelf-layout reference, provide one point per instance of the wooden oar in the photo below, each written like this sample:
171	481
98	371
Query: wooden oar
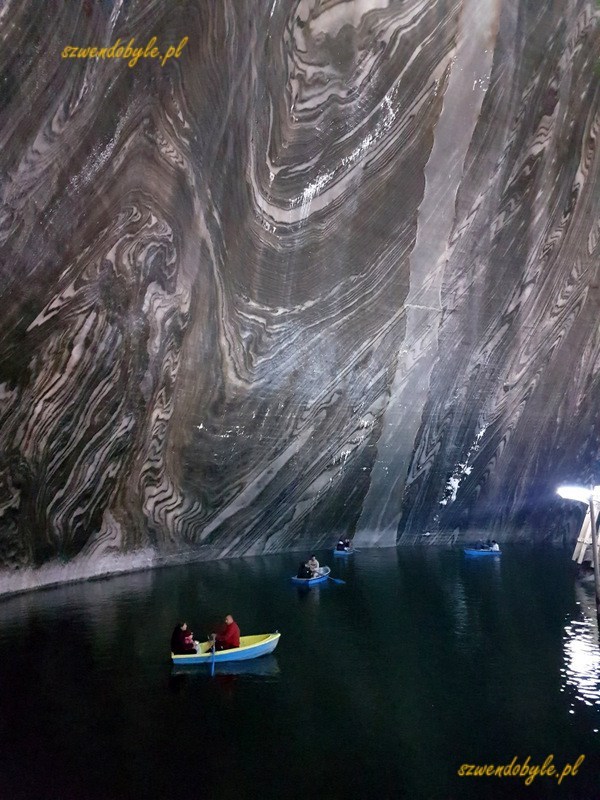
212	662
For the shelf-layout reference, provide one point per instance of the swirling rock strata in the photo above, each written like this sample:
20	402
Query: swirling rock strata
334	267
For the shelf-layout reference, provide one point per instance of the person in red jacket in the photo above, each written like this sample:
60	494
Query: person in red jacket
229	635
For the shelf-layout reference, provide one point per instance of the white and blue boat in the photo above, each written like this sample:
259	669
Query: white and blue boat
323	575
349	551
250	647
484	551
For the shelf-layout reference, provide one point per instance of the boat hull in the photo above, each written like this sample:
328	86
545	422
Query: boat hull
471	551
349	552
313	581
264	667
250	647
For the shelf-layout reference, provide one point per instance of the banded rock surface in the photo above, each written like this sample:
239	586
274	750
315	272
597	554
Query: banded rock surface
335	267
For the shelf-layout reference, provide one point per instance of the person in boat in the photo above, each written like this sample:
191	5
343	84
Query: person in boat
495	546
313	565
304	571
344	545
182	640
229	636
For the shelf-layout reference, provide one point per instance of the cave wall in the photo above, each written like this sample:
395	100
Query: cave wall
333	267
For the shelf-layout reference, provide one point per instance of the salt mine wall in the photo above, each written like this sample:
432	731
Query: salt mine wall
331	266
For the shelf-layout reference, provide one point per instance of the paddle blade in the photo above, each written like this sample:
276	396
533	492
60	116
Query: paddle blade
336	580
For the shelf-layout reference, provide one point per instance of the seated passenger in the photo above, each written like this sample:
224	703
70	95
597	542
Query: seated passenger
182	640
229	635
340	545
313	565
304	571
495	546
347	544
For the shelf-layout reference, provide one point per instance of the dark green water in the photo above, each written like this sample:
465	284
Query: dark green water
380	688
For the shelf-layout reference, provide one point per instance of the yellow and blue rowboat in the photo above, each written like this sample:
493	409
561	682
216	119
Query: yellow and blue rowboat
250	647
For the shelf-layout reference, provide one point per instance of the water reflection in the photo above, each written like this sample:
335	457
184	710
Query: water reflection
309	595
95	596
581	671
469	590
461	611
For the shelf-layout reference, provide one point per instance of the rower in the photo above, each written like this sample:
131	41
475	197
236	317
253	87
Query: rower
229	635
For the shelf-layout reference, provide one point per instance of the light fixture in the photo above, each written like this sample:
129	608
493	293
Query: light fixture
579	493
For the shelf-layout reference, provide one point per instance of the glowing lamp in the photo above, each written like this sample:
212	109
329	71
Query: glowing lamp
578	493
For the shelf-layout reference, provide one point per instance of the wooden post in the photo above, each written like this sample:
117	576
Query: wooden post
595	552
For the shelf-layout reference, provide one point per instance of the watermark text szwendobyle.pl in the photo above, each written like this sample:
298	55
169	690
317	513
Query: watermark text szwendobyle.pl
525	770
129	52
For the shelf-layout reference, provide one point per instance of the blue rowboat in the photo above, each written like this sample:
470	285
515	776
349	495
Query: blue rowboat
348	552
250	647
472	551
320	578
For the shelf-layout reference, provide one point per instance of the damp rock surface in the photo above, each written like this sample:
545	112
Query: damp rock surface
333	267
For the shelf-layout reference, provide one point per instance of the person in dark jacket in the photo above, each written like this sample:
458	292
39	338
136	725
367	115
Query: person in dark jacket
182	640
304	571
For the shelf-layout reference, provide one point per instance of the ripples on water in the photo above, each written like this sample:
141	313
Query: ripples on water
581	670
